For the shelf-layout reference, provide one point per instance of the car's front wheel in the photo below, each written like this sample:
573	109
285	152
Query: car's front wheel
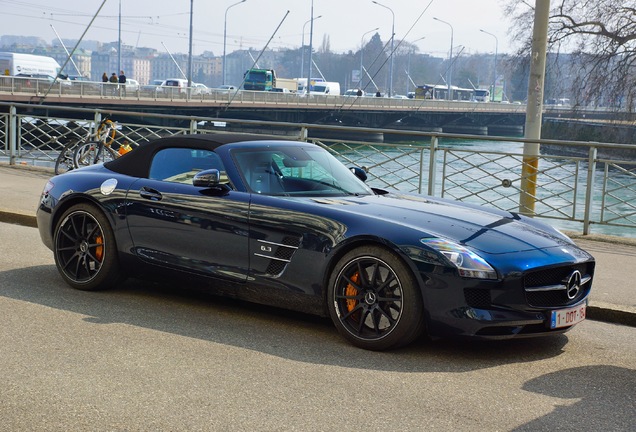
84	249
374	300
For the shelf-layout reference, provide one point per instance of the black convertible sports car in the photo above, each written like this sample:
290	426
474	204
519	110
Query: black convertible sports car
284	223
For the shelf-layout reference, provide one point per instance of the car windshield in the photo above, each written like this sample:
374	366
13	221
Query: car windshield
297	171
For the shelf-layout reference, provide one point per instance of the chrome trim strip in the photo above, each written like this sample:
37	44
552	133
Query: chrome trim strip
585	279
271	257
277	244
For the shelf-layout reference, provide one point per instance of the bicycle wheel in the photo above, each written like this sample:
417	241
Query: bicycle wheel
65	160
91	153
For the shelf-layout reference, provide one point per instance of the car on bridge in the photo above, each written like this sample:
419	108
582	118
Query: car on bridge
284	223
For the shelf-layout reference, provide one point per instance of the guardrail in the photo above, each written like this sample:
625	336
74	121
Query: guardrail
583	186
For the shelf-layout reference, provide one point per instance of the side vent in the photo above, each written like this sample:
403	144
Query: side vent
279	254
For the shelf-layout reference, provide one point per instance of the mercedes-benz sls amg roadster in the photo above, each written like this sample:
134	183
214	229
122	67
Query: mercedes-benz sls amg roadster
285	223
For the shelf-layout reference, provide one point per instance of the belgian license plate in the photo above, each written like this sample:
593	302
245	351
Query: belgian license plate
567	317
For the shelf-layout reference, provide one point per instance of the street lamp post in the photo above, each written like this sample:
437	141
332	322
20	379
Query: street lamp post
450	67
494	80
302	46
190	49
361	53
225	33
392	40
311	47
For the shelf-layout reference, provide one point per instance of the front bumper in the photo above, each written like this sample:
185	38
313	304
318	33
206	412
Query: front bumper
503	309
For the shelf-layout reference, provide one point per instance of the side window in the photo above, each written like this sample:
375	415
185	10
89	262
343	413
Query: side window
180	165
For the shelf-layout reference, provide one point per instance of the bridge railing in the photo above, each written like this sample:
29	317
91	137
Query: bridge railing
42	89
580	186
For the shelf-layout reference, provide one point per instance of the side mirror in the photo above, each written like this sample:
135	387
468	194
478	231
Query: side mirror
360	173
210	179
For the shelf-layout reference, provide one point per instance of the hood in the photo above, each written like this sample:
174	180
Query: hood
486	230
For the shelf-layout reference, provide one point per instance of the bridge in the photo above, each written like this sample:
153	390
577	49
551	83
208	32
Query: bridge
426	115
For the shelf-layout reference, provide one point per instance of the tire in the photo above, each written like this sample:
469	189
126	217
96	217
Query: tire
84	249
90	154
65	160
374	300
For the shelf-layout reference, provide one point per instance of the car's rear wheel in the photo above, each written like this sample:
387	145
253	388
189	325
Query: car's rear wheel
374	300
84	249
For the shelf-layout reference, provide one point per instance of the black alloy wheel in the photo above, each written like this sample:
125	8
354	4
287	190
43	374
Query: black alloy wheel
374	300
85	250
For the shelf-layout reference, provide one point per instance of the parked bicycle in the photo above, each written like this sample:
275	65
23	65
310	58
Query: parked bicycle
93	149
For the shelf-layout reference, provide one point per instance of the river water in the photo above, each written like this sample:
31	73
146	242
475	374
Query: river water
478	167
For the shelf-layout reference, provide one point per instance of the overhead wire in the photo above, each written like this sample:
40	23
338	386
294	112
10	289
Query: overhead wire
391	53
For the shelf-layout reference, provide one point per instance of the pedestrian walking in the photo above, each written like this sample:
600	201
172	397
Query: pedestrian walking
122	83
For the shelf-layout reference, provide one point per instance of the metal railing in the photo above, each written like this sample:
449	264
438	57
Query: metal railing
592	188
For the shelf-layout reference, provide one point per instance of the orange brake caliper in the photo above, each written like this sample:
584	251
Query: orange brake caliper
352	291
99	250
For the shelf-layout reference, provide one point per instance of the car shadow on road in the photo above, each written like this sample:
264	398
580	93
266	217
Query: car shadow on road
191	313
594	399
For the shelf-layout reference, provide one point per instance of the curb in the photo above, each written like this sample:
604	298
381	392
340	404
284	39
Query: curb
612	314
18	218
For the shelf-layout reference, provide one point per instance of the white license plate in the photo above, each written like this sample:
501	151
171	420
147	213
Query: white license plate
567	317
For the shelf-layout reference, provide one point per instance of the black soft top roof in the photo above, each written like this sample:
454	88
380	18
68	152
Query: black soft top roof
137	162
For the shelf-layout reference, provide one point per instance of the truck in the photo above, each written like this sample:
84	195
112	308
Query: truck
326	88
266	80
481	95
290	84
28	65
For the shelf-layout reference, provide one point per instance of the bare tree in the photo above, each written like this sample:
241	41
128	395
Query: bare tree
598	36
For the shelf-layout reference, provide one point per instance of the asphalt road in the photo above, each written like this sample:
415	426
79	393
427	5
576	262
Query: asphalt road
149	357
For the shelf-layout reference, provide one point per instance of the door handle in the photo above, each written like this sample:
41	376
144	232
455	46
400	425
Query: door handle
150	194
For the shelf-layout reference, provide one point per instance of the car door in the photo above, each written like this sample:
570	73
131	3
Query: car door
173	223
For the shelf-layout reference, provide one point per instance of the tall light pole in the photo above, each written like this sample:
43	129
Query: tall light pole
225	33
119	42
311	46
450	67
190	48
361	52
494	80
392	40
302	46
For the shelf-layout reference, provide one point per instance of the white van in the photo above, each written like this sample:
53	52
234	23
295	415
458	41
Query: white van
326	88
28	65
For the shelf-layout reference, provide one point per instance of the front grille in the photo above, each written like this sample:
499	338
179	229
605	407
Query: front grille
551	276
554	277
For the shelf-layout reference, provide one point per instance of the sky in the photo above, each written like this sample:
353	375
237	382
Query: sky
165	24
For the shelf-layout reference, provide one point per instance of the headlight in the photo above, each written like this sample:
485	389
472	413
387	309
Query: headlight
468	263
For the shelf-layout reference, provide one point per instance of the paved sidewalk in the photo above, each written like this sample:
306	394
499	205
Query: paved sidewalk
613	296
